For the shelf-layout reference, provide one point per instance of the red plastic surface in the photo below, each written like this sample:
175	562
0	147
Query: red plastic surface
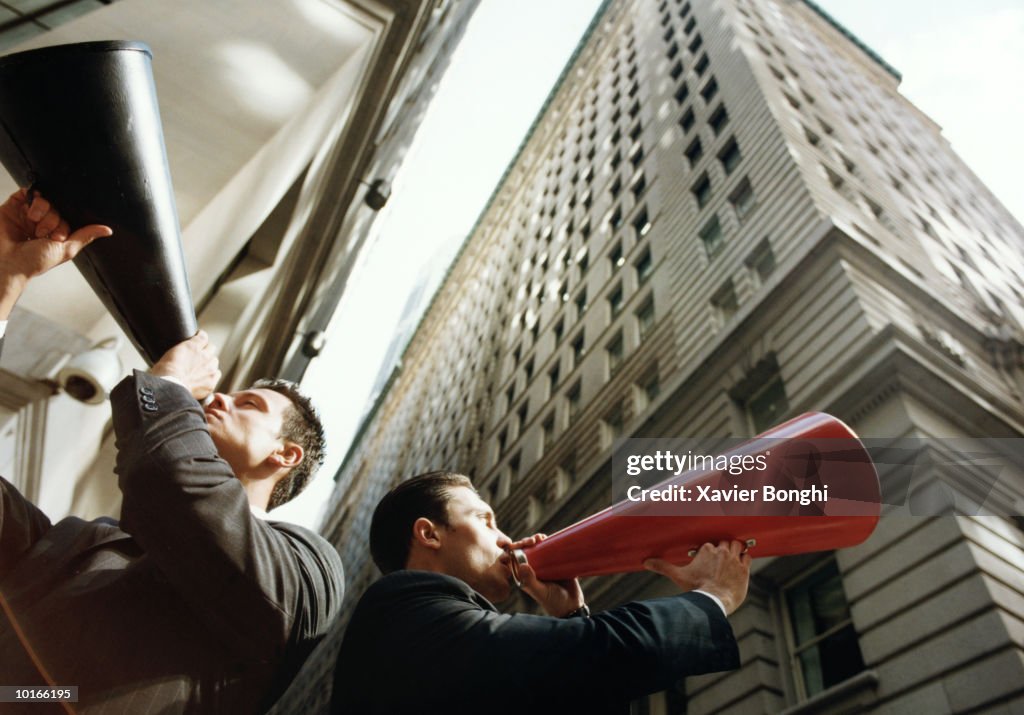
619	538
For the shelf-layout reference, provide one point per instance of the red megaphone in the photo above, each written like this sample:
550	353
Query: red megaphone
806	485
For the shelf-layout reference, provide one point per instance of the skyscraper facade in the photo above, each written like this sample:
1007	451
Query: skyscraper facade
726	215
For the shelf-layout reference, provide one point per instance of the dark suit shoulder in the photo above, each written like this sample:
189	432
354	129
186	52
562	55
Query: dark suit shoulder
413	584
308	539
408	597
323	574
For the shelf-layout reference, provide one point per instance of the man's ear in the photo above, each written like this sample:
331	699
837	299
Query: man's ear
288	456
426	533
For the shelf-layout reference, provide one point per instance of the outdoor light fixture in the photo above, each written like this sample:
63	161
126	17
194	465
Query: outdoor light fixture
314	343
378	194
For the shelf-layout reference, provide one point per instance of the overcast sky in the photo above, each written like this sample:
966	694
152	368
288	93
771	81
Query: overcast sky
962	64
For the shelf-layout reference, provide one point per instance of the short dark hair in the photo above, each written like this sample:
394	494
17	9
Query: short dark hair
302	426
425	495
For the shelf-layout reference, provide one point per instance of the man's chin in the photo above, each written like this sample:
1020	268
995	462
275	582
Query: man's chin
502	589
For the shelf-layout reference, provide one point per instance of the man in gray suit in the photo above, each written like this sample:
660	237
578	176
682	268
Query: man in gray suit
195	601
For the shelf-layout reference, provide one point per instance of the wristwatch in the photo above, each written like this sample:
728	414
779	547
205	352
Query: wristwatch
581	612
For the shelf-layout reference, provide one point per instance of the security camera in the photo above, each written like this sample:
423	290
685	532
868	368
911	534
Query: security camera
90	376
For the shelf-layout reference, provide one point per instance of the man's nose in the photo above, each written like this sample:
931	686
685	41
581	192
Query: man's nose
219	400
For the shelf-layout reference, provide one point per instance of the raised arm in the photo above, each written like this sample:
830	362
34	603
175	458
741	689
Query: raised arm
259	585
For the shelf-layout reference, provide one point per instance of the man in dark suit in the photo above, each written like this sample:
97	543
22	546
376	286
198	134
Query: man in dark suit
426	637
194	602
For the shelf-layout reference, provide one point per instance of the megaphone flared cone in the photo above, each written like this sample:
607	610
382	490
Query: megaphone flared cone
80	124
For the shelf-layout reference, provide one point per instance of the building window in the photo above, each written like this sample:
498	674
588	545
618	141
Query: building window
702	190
502	441
695	45
644	266
612	425
638	186
649	386
687	121
616	351
742	199
548	433
702	63
615	220
834	179
730	156
578	348
513	468
724	301
710	90
645	317
768	406
554	375
711	236
636	157
573	400
615	301
694	151
823	643
762	394
673	50
559	329
719	118
641	224
521	414
567	470
616	188
761	261
581	302
682	93
677	70
616	257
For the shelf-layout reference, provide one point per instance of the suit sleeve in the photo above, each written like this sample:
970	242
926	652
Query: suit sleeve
635	649
22	524
629	651
261	586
